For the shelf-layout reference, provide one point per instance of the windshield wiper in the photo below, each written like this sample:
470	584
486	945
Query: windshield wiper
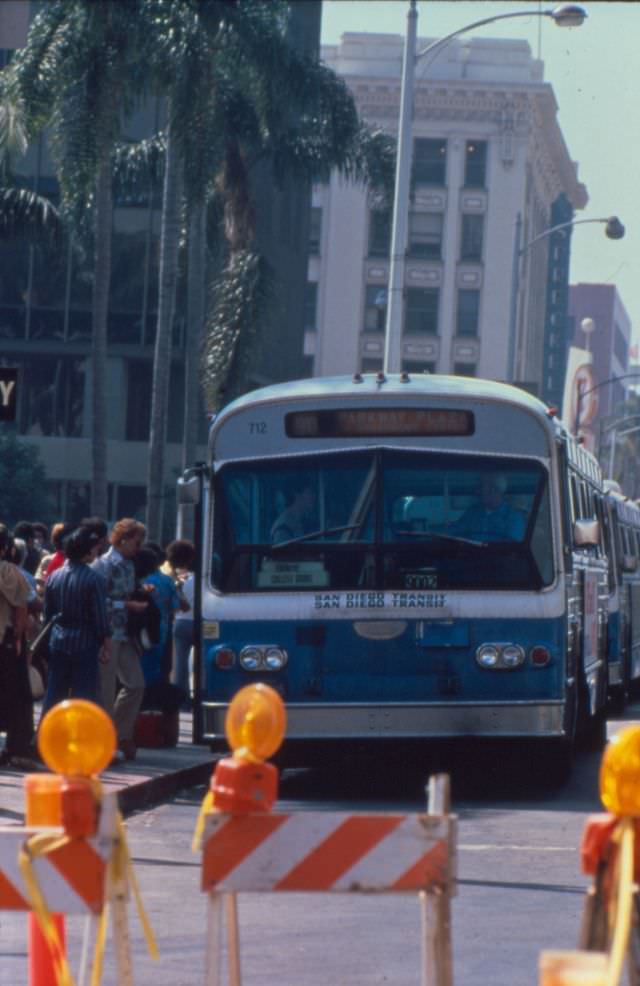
434	536
315	534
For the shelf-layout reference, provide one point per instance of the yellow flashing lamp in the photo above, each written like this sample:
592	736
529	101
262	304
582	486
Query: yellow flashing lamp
255	723
77	738
620	774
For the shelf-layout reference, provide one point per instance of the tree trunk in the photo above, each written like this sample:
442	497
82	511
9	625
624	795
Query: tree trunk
101	282
169	241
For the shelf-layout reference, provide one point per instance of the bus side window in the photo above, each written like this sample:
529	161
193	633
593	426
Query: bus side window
601	514
575	502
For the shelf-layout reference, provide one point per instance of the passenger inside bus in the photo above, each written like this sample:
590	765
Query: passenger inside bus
299	517
492	518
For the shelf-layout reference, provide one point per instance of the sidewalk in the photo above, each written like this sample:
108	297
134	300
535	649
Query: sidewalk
155	774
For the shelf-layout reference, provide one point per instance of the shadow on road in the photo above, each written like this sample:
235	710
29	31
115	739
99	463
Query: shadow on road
482	773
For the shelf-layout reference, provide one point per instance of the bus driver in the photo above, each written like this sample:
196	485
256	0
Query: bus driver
296	519
492	518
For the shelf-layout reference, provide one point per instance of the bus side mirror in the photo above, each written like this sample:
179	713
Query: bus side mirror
586	533
629	563
188	491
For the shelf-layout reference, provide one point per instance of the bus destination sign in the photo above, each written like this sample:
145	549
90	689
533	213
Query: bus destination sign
387	422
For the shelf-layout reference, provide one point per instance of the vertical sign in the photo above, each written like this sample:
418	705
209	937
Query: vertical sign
8	388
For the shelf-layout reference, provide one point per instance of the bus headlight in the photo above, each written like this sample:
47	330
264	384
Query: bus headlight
275	658
500	657
512	656
251	658
488	656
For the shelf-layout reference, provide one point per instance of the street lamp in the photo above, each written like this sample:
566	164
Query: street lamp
613	230
567	15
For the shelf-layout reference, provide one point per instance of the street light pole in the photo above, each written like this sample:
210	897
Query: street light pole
567	15
393	331
614	230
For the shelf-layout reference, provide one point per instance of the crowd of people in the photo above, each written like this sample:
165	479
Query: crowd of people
91	612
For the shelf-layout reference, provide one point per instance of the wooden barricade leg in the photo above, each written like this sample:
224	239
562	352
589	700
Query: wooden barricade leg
121	939
233	938
437	964
633	964
213	953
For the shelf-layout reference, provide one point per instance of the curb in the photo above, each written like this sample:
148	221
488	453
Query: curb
137	797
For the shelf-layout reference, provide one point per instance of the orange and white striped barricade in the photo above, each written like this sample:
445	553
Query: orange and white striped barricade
329	852
67	876
72	876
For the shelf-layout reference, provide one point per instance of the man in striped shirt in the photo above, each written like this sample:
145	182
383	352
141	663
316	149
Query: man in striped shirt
76	596
117	569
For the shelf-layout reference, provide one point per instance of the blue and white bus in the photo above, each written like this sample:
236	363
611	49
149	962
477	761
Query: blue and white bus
621	521
403	558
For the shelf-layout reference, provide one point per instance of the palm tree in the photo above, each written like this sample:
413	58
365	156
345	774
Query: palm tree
238	94
79	74
23	213
295	116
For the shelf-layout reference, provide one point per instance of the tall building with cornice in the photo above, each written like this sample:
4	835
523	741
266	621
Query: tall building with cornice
490	172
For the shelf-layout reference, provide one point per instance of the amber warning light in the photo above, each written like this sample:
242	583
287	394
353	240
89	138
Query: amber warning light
390	422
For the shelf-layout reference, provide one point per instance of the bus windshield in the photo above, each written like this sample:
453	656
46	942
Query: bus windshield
382	519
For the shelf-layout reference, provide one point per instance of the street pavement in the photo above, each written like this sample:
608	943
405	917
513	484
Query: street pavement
155	775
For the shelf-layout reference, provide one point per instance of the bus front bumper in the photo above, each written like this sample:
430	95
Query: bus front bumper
361	721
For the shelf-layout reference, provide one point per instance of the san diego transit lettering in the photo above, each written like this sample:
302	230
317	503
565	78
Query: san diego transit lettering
379	600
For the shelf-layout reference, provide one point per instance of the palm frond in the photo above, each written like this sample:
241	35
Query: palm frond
139	166
24	214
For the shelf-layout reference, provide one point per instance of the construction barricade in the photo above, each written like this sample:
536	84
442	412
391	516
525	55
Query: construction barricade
247	847
610	853
71	857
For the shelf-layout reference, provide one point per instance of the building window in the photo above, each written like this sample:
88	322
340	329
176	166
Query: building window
131	501
422	311
475	164
418	366
472	230
379	233
315	230
429	161
375	308
425	235
138	411
464	369
468	310
371	364
52	401
311	306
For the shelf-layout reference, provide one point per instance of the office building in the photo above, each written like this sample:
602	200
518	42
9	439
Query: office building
491	171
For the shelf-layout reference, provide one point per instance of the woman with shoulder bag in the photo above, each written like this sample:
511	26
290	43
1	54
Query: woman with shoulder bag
75	599
16	703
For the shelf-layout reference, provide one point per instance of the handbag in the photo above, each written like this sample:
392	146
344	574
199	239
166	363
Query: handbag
36	683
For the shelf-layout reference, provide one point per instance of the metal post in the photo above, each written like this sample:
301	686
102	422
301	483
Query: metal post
515	301
393	330
576	430
198	528
612	453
